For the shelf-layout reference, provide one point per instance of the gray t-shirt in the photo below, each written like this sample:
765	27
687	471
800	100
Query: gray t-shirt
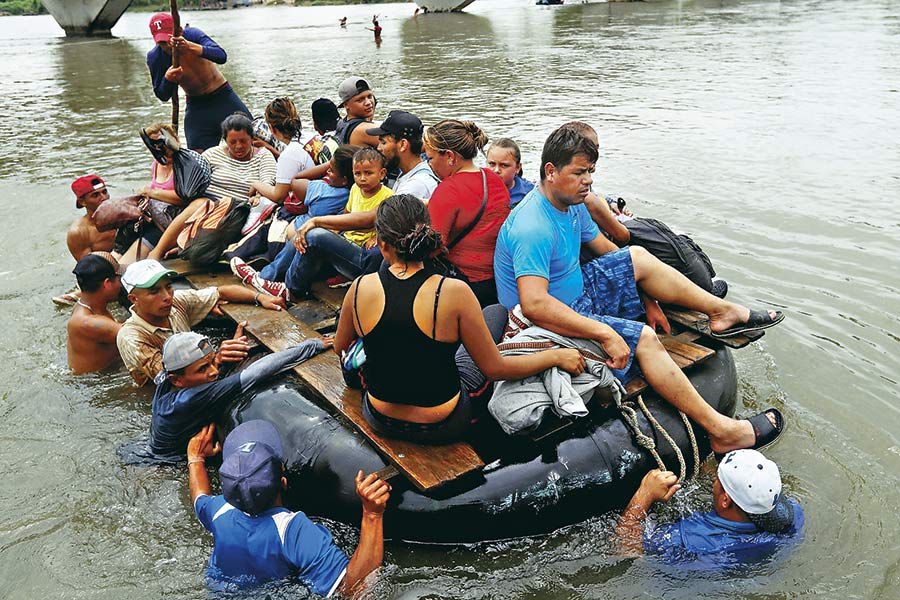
420	181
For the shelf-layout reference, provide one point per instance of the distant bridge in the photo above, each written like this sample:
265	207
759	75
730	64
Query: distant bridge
97	17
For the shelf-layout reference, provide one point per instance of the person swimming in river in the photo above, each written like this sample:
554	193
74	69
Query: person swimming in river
376	28
210	98
92	330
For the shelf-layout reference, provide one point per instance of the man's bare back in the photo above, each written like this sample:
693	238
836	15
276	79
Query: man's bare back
83	238
92	340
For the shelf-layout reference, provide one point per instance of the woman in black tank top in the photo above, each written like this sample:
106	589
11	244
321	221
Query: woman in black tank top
419	382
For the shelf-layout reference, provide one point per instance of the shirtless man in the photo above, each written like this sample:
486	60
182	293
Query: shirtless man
83	237
209	97
92	329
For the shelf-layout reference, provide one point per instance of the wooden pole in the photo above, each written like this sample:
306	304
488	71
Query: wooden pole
176	31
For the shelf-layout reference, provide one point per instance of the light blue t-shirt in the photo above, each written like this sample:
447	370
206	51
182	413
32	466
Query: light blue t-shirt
273	545
323	199
519	190
538	239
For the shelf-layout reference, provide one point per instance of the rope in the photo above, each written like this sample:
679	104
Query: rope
629	415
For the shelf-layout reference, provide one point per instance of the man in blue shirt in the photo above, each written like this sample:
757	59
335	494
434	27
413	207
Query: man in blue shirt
537	265
257	539
751	520
209	97
189	393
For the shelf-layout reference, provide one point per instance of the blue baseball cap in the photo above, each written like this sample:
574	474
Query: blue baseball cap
252	466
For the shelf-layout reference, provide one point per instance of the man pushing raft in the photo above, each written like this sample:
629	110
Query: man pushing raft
210	97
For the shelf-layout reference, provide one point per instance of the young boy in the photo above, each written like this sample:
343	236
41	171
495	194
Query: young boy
189	393
351	252
92	329
316	197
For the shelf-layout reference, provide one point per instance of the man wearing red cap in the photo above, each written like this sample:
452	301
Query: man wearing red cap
83	238
209	97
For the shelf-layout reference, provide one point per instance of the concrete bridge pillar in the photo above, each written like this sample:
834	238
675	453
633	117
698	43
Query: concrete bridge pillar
86	17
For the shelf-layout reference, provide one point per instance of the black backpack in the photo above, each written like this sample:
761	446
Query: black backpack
676	250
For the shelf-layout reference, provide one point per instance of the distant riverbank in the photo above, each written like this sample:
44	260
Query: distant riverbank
34	7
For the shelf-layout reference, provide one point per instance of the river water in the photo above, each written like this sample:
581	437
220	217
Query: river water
769	130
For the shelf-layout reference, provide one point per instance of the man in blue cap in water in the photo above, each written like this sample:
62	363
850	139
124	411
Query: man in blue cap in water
752	519
257	539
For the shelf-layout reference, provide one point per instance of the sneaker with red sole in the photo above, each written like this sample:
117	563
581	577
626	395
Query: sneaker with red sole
242	270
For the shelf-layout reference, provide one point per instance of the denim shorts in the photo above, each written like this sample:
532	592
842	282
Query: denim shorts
611	297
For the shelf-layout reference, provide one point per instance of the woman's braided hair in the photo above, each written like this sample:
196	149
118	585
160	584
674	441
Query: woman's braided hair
402	221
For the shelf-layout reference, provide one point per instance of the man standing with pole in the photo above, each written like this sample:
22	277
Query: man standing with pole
188	58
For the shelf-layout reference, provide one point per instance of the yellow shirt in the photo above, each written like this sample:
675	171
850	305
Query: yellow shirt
359	203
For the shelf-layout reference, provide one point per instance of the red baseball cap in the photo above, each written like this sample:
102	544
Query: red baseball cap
85	185
162	26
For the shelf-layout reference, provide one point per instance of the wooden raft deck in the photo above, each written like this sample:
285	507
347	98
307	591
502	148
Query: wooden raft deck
426	467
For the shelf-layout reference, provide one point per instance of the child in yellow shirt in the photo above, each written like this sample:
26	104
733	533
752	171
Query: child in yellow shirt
346	242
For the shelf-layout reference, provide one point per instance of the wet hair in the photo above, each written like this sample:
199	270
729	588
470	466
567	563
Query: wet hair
369	154
563	146
582	128
463	137
92	270
325	115
281	114
402	221
343	162
238	121
510	146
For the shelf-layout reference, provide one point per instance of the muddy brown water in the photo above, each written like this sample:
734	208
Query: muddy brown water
768	130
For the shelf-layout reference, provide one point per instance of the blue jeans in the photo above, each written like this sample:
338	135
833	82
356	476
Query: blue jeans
326	247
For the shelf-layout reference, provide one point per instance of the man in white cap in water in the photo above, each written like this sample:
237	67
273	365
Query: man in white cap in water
158	312
258	540
752	518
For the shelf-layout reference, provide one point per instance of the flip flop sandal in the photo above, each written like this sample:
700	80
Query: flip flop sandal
765	433
759	320
66	300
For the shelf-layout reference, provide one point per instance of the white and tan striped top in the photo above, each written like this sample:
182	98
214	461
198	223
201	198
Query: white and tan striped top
232	177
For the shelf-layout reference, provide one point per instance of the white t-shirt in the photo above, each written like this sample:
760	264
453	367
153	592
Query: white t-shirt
420	181
293	160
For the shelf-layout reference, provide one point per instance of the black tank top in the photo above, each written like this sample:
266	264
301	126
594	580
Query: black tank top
403	365
345	128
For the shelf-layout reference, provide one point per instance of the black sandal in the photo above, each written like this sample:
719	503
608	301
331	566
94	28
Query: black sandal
759	320
764	432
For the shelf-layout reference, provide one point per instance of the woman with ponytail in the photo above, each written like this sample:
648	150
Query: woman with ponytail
283	120
469	205
419	384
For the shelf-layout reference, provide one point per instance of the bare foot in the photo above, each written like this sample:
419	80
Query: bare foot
733	314
741	435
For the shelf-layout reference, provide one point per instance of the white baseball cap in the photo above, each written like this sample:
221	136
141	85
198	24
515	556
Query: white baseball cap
144	274
751	480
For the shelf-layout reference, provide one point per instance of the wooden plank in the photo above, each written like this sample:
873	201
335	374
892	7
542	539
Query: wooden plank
183	267
427	467
685	353
699	323
333	297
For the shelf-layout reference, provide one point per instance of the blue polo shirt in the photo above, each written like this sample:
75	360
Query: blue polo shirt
539	239
716	542
276	544
519	190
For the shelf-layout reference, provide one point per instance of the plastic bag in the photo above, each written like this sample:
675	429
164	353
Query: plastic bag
192	171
